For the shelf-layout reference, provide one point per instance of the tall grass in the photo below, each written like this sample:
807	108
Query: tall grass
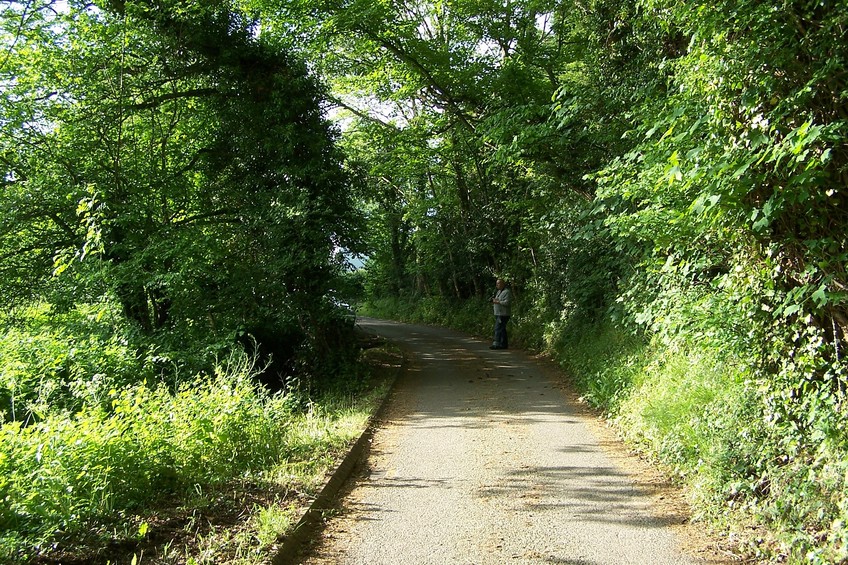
604	363
64	475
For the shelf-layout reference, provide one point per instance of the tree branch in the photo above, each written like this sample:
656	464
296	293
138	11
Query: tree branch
360	114
204	216
156	101
425	74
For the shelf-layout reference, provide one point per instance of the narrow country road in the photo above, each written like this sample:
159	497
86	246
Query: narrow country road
482	459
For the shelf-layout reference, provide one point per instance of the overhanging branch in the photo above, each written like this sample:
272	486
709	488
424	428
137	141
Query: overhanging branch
360	114
156	101
437	87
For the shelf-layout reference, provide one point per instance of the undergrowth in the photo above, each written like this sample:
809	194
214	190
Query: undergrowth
66	475
765	467
86	475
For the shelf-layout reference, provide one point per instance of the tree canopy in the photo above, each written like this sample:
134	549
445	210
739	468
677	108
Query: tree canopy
676	170
673	174
166	155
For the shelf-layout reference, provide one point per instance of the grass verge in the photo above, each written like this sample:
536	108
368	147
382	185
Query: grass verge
215	473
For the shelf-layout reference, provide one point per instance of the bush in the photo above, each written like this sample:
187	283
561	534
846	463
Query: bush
51	362
61	474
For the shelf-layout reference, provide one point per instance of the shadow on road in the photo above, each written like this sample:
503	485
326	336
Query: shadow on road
493	437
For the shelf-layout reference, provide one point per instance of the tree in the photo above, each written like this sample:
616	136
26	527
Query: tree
463	92
167	154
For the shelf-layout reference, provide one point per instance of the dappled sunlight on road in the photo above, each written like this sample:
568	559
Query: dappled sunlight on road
483	459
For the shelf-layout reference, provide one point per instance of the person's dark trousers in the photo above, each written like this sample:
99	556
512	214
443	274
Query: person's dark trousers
501	341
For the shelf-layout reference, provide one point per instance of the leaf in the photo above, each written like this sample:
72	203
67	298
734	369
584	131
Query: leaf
790	310
667	133
820	296
761	223
825	156
757	138
744	167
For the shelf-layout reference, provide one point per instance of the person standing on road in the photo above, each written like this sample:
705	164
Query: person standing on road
501	301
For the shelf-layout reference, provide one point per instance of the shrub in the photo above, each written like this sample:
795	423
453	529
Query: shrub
51	362
61	474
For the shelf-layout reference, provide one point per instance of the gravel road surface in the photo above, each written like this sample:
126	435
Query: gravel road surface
482	459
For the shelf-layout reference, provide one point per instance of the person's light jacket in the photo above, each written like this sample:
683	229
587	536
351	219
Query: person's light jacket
504	297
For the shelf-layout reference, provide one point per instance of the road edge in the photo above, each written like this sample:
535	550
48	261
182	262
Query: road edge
292	544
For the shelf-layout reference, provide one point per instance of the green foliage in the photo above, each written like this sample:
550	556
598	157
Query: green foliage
63	476
52	363
169	191
170	158
722	203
